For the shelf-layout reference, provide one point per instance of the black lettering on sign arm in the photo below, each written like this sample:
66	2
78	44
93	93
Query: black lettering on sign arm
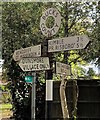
81	42
78	42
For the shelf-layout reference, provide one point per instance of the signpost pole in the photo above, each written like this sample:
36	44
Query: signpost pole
33	97
49	73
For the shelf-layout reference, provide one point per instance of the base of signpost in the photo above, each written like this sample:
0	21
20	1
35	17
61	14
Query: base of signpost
48	76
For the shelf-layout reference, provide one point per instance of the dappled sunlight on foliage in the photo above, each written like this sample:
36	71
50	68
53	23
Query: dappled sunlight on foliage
21	29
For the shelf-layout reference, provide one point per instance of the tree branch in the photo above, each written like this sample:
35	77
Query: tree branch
63	99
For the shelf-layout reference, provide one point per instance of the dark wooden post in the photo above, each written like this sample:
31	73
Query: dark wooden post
48	73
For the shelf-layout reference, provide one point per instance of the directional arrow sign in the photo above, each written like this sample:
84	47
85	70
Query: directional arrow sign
33	51
62	68
68	43
34	64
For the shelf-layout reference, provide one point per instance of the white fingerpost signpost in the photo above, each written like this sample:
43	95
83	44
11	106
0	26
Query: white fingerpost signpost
33	51
68	43
62	68
49	32
51	12
29	59
34	64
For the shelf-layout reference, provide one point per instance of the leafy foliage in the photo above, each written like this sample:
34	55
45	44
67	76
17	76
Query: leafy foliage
21	29
91	72
19	24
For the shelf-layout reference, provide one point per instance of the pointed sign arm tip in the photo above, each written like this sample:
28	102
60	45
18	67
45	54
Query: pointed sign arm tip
88	44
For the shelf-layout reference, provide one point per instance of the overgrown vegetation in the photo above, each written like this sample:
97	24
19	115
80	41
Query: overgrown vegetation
5	94
20	22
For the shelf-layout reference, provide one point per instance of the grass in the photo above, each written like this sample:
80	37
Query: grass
5	110
5	106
